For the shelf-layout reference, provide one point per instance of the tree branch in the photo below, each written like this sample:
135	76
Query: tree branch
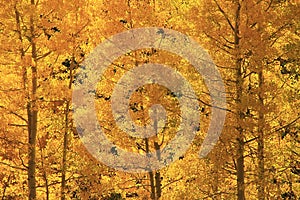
12	166
14	113
225	15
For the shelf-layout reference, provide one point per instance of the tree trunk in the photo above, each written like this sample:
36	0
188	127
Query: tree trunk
239	116
64	157
151	174
240	170
216	181
32	112
155	180
66	135
157	149
157	173
65	149
45	175
31	107
260	141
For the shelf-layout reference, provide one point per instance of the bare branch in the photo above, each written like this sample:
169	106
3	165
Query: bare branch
171	182
287	125
44	55
225	15
14	113
12	166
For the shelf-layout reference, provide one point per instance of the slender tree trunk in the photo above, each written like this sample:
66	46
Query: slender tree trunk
151	174
216	180
32	111
260	140
32	133
65	149
240	169
64	157
158	154
157	173
31	103
239	87
5	186
45	175
66	135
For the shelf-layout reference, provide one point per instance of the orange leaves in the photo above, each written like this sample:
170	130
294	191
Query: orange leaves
27	61
58	106
43	140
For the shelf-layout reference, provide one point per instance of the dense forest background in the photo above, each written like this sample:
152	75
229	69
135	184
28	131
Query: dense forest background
254	43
